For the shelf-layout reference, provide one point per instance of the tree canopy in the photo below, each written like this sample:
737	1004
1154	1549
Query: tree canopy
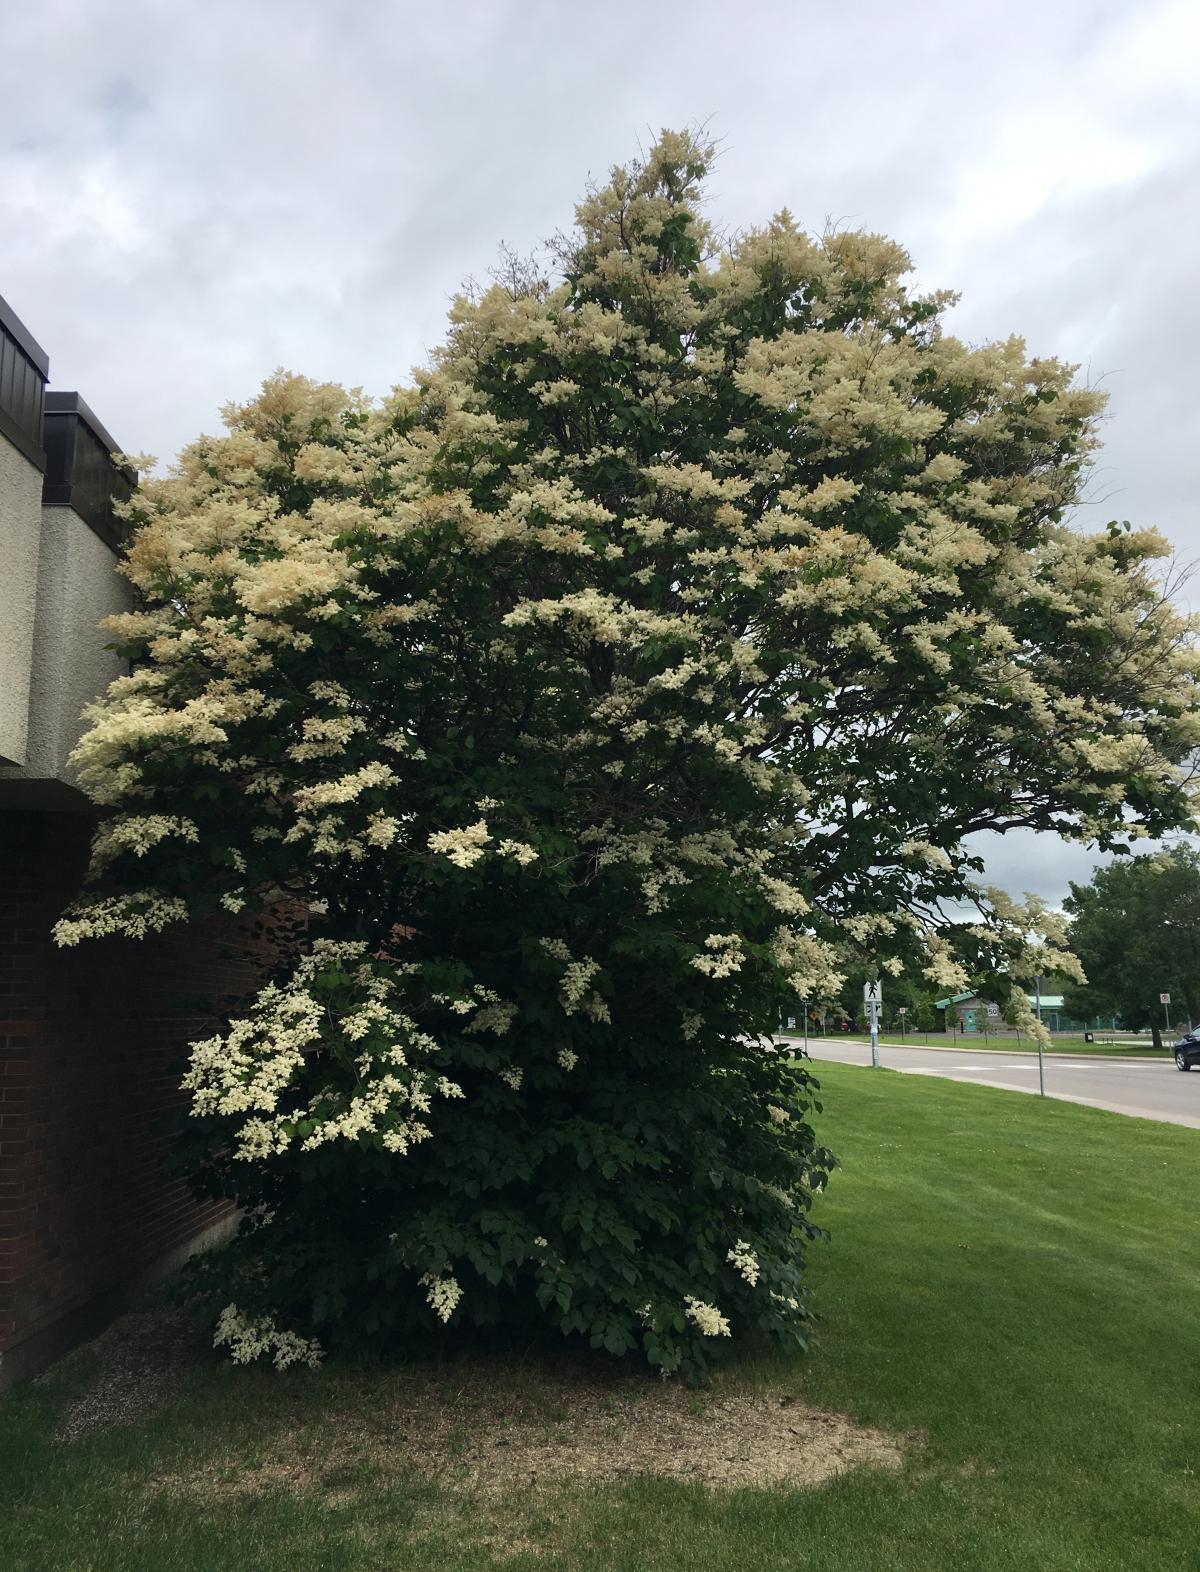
1136	930
638	666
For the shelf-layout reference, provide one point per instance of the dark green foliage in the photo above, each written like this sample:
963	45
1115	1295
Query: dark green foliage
635	1166
1136	929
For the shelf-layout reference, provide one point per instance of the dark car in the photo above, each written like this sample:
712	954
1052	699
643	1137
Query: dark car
1187	1051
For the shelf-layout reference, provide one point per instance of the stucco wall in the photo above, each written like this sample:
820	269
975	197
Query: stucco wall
77	585
20	533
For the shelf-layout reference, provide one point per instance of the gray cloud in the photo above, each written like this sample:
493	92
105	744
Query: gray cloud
190	196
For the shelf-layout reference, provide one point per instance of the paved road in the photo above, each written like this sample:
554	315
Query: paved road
1149	1089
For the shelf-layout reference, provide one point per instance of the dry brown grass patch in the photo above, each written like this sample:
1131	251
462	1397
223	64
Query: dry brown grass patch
493	1428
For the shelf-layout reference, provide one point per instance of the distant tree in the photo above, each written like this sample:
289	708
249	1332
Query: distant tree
927	1018
908	991
1136	929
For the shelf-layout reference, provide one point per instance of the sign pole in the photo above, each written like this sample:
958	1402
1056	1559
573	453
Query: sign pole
873	998
1165	1000
1037	983
804	1002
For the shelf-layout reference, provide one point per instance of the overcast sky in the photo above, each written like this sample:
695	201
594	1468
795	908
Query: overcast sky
193	195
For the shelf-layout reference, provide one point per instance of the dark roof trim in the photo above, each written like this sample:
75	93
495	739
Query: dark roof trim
80	472
24	339
75	404
33	451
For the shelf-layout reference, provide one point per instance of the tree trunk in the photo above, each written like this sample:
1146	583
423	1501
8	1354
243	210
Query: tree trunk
1156	1034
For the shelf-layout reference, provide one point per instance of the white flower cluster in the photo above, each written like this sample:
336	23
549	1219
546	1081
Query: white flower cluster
941	967
129	719
519	851
744	1258
136	915
934	856
463	847
707	1317
443	1294
783	897
495	1016
1025	1020
138	833
345	788
248	1340
251	1073
488	1011
726	955
575	991
812	966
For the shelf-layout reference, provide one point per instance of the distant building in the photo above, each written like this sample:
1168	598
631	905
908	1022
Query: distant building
971	1012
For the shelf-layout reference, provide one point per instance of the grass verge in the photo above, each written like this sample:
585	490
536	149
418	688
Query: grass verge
1013	1287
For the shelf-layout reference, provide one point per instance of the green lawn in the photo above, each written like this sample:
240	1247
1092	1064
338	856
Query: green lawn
1007	1043
1012	1288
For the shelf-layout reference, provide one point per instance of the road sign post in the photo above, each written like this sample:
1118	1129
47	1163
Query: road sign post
1037	982
804	1002
1165	1000
873	998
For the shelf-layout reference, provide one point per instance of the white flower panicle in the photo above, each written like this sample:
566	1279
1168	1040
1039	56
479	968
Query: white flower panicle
745	1260
443	1293
139	834
519	851
250	1075
707	1318
464	847
935	856
726	955
248	1340
575	992
134	916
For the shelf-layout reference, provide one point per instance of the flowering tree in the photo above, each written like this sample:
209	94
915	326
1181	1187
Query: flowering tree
641	666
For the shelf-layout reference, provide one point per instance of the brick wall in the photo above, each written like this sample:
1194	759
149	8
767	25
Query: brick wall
92	1045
